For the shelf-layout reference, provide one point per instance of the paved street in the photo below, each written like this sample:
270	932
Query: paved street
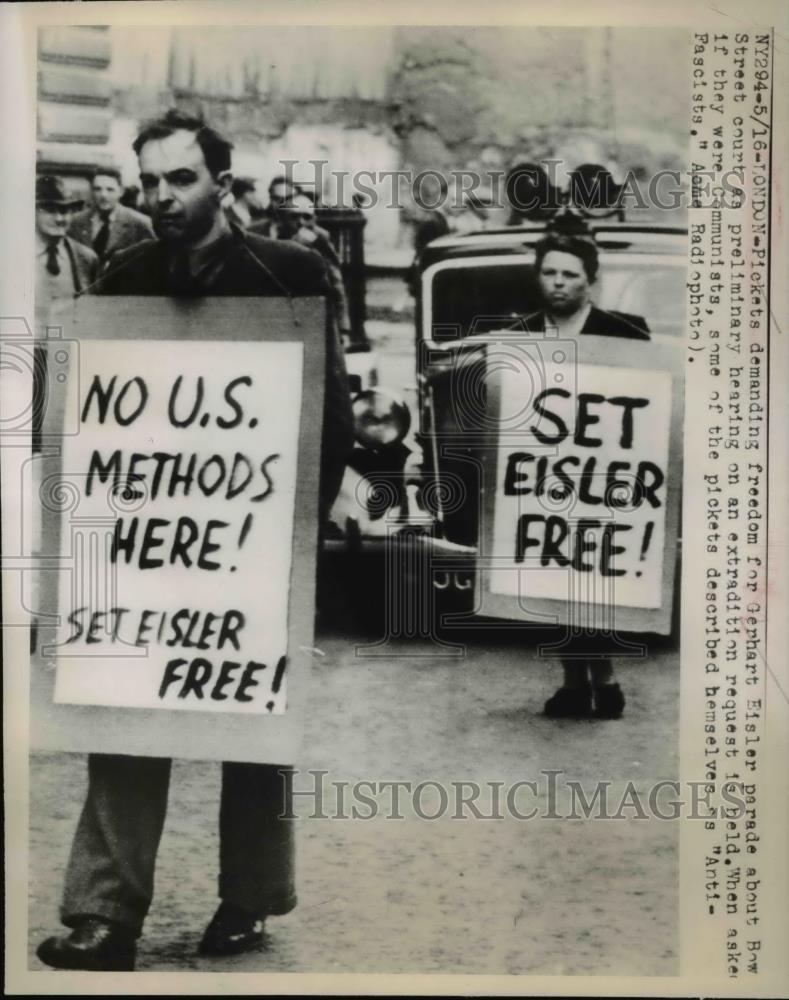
540	896
548	896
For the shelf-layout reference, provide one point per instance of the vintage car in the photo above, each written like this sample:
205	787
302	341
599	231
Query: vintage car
420	486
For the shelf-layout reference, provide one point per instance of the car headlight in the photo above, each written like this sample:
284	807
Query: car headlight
381	419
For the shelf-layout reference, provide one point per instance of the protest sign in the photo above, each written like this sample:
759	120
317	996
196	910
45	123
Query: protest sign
582	488
179	497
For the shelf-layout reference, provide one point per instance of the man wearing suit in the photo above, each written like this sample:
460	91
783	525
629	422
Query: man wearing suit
64	268
246	207
296	221
185	174
109	226
566	265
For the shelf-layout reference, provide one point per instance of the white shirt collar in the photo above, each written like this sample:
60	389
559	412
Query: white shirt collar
42	245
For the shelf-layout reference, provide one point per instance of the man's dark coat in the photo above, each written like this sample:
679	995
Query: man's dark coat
255	266
602	322
127	227
111	866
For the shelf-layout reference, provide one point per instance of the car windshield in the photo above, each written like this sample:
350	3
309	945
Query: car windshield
485	294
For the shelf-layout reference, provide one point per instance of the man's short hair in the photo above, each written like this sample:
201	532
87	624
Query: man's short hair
216	149
242	186
284	179
582	247
112	172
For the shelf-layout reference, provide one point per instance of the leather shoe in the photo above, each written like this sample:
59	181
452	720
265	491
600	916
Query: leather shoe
232	931
570	703
94	945
609	701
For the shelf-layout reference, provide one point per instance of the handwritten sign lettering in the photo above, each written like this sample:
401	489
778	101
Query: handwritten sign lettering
192	461
180	522
580	490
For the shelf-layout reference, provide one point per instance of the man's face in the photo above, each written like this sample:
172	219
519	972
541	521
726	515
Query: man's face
106	192
295	214
183	197
563	283
279	193
52	220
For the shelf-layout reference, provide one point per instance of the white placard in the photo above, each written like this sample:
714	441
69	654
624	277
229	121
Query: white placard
183	477
581	486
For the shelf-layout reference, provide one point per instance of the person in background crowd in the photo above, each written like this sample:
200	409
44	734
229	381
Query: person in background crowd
431	223
443	212
280	189
132	198
246	207
185	174
64	268
108	226
435	220
531	195
566	262
296	221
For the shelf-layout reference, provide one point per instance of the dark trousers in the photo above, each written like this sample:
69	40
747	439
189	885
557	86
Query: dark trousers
582	646
111	867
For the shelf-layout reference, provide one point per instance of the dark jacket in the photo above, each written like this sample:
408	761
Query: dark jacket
255	266
322	244
432	227
602	322
84	266
127	227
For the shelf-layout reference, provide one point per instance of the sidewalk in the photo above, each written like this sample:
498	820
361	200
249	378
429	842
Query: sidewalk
555	897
